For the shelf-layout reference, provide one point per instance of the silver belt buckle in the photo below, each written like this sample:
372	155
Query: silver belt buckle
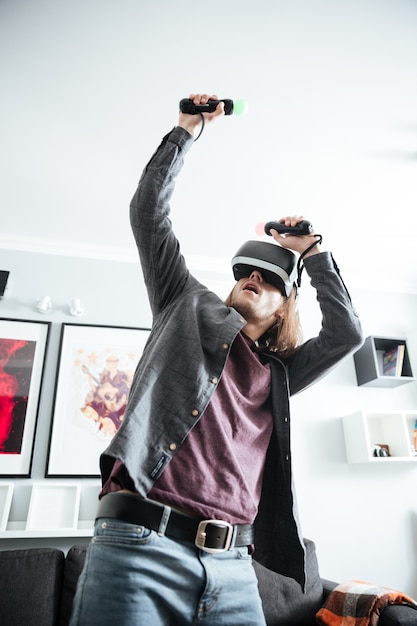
200	538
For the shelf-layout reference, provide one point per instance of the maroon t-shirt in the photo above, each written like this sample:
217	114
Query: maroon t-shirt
217	472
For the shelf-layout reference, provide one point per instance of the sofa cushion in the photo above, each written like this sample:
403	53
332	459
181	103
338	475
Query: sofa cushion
397	615
283	600
30	586
73	566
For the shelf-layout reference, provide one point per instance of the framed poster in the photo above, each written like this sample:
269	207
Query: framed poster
95	371
23	345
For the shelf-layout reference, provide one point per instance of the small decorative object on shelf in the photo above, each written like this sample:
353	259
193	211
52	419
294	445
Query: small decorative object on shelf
380	450
383	362
394	428
393	361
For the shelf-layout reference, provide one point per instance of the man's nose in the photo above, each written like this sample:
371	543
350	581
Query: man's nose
256	275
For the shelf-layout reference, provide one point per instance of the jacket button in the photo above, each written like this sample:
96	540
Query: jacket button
194	412
172	446
225	346
214	380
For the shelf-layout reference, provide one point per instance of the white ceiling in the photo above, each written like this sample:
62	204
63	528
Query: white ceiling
90	86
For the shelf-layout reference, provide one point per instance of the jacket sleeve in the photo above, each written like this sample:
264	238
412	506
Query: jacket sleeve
340	333
163	265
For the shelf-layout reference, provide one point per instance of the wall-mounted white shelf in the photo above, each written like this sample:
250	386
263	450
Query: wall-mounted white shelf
364	430
53	511
17	530
369	363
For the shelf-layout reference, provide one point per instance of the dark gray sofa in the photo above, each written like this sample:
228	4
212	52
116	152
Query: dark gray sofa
37	587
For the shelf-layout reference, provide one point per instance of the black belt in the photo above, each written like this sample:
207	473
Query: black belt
211	535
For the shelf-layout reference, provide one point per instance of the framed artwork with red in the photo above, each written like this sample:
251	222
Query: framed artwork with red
23	346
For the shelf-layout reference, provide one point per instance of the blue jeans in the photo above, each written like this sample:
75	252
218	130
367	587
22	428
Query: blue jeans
134	577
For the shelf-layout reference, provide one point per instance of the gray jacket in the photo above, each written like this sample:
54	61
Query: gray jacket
191	336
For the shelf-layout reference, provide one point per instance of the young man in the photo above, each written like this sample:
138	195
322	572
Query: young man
199	474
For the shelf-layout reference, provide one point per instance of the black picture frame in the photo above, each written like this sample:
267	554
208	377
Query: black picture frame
23	349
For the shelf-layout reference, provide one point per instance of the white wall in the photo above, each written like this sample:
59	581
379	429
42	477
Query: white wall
362	518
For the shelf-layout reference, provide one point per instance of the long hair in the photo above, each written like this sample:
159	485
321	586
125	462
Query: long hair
285	336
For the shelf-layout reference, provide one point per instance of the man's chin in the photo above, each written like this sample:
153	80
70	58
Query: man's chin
245	309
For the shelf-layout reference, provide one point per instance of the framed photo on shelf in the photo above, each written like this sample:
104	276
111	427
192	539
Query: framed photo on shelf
23	345
95	370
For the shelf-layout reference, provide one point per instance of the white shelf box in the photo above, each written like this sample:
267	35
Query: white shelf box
53	507
364	430
6	494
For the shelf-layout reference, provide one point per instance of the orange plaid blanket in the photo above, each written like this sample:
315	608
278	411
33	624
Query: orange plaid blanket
357	603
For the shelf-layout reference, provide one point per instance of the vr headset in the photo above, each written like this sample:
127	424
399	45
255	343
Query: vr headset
277	265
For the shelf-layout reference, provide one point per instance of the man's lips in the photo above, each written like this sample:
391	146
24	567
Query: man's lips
251	286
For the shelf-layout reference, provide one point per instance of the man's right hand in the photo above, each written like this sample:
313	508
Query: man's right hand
192	123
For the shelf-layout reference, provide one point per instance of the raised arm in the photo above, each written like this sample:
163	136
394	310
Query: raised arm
340	332
163	266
